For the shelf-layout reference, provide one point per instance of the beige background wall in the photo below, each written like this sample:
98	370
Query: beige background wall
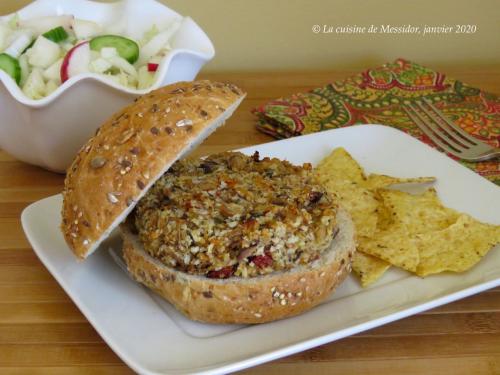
277	34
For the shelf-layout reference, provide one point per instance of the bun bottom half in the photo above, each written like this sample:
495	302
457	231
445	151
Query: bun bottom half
246	300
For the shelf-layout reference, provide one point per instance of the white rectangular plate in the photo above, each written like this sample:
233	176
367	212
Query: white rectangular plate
152	338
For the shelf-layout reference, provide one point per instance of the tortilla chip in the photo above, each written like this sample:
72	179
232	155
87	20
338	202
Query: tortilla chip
339	167
419	213
361	204
341	175
456	248
378	181
394	245
368	268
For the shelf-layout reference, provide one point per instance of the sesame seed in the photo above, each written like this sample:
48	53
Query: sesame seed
273	289
73	234
126	136
299	294
321	274
183	122
289	294
283	302
282	295
257	315
112	198
85	242
302	280
140	115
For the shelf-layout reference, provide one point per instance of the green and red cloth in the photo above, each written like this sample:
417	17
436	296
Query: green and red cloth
377	96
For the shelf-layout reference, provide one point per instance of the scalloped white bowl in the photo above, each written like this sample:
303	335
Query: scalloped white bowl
49	132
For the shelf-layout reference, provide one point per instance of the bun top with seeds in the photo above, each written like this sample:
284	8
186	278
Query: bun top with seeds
132	150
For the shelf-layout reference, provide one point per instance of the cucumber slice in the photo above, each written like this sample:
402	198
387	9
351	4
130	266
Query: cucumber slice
127	49
10	66
56	35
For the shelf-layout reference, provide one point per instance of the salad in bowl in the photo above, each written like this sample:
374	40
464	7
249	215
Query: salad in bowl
42	52
68	65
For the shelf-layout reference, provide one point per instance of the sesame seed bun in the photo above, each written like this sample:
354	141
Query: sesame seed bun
134	148
246	300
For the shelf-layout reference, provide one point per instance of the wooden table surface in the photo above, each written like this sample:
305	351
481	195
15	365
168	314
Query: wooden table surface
42	331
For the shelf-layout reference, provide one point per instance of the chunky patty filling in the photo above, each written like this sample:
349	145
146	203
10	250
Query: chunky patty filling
235	215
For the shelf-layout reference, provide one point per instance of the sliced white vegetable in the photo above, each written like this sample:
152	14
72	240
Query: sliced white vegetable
66	46
76	61
100	65
148	35
85	29
25	69
158	42
50	87
156	59
4	34
17	47
107	52
123	65
34	87
53	72
43	53
144	78
14	21
39	25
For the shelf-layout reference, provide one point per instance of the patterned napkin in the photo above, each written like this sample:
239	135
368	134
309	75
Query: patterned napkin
377	96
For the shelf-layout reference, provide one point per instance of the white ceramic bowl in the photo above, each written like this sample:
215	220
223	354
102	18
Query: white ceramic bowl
49	132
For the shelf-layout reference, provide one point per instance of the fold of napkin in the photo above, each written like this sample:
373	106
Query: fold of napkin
377	96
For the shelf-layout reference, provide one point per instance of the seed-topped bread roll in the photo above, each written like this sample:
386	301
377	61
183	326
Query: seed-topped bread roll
132	150
249	300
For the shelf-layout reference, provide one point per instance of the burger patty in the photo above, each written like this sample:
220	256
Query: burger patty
232	214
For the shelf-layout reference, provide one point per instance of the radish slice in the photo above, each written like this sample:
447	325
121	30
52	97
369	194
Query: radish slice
152	67
76	61
40	25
